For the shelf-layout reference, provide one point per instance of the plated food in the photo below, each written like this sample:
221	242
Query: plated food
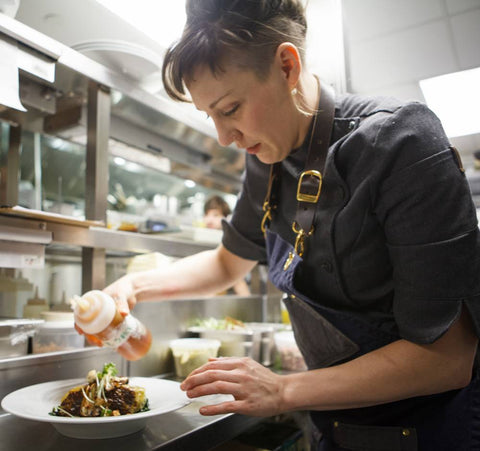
35	402
105	394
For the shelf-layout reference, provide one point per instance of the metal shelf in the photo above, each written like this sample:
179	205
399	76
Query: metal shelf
97	237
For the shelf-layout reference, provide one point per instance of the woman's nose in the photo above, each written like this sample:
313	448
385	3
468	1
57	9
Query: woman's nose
227	135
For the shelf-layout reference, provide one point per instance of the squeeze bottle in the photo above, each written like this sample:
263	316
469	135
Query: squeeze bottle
97	315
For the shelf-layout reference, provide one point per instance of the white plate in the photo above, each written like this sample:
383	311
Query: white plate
36	401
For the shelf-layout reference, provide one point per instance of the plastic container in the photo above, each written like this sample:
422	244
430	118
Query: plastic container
191	353
97	315
35	306
14	335
56	334
289	355
242	342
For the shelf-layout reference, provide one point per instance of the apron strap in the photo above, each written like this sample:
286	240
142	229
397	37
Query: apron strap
310	182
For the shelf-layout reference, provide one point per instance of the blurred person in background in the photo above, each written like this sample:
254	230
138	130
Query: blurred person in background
215	210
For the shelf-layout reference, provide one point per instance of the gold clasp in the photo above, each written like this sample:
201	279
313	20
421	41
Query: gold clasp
299	244
266	217
311	198
300	240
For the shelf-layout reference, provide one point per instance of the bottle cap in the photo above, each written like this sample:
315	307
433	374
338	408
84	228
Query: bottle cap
93	311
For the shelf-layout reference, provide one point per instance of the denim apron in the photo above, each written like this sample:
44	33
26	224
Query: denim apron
445	422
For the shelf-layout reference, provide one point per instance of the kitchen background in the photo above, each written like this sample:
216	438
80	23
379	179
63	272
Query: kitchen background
163	159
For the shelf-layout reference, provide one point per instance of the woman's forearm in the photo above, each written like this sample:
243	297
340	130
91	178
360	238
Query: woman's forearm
397	371
202	274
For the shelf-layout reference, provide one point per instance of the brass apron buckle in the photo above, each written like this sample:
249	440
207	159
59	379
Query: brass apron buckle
311	198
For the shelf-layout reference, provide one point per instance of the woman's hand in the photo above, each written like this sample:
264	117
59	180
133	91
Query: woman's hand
256	389
123	292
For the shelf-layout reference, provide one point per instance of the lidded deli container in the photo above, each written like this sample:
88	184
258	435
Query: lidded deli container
242	342
237	340
57	333
191	353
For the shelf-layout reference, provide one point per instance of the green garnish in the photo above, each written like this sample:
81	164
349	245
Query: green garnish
109	370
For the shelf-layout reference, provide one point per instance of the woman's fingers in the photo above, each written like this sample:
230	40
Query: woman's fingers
122	293
224	408
122	304
220	363
256	389
217	387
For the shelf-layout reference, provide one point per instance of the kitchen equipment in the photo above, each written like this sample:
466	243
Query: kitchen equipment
241	342
289	355
57	333
191	353
14	334
267	341
35	306
14	292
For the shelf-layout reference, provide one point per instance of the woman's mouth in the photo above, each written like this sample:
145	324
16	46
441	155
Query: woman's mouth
254	149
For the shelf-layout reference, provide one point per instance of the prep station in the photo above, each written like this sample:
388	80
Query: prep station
70	120
102	174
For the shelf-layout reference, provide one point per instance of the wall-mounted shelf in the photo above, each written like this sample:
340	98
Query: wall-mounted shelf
97	237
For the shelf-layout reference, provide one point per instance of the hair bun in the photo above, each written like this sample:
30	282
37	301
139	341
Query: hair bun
257	10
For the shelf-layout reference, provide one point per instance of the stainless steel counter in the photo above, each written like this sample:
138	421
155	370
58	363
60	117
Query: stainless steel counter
183	430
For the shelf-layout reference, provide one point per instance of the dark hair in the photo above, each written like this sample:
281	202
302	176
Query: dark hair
217	203
247	31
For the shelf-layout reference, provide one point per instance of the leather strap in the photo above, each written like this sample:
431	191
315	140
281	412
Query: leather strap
310	182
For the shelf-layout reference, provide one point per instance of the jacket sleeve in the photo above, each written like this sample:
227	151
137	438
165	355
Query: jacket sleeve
430	227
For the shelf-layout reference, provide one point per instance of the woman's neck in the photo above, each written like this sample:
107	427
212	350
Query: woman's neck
309	95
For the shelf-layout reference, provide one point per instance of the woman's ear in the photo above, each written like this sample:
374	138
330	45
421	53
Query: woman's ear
290	63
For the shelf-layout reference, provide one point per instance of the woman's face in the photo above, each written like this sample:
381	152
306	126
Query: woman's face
258	116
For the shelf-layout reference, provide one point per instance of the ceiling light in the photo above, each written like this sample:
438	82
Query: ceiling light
162	21
454	98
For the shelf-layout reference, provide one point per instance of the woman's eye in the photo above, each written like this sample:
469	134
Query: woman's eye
232	110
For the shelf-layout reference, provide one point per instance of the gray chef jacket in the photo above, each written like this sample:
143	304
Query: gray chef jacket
396	231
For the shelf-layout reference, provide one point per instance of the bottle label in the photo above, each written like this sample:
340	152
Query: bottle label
130	326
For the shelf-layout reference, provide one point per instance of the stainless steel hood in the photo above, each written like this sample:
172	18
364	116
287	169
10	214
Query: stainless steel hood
139	118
